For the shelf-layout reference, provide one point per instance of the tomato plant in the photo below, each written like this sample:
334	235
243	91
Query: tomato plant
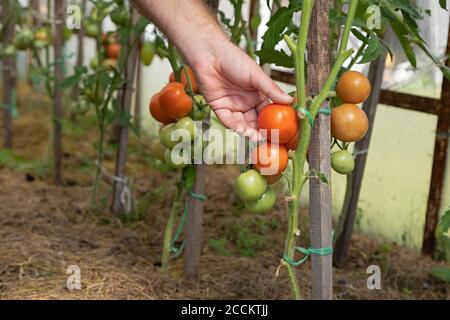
184	72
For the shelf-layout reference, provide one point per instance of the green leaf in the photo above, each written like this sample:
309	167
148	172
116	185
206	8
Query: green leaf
70	81
80	69
139	26
279	58
276	25
443	4
441	273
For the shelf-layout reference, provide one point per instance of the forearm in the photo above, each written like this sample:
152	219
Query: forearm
187	23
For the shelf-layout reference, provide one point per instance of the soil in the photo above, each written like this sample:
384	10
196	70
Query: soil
44	229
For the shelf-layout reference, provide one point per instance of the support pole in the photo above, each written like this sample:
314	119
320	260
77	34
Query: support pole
9	74
117	206
439	162
370	106
59	10
194	221
80	56
319	155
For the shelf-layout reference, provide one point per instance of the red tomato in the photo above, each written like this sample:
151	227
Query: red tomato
113	51
174	101
184	78
278	117
270	158
353	87
348	123
156	111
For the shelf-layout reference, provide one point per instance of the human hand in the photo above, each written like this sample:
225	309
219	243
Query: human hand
236	88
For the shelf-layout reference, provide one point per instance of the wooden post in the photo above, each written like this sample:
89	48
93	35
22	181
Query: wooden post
194	221
80	56
439	163
9	74
117	206
319	155
370	106
137	97
59	10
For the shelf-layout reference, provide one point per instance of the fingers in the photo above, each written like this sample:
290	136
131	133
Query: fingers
242	123
269	88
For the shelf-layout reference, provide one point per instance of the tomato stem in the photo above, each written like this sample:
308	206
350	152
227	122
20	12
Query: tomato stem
348	26
176	207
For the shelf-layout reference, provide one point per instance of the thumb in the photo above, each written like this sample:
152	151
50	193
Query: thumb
270	89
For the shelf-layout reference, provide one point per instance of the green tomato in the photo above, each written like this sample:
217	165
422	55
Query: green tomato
80	107
187	124
94	63
342	162
158	150
24	39
173	161
250	185
120	16
91	30
165	135
90	95
264	203
147	54
7	51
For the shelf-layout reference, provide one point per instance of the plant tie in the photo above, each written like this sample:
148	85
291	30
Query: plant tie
307	252
308	115
125	196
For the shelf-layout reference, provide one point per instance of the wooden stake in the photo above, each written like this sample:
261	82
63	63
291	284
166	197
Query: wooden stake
118	187
59	10
9	74
80	56
194	221
319	155
370	106
137	97
439	164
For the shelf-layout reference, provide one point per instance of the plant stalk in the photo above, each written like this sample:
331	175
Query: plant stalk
169	228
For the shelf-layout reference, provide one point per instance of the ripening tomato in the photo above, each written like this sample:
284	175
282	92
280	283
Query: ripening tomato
158	150
342	162
273	179
293	143
250	185
348	123
278	117
353	87
174	101
270	158
184	81
113	51
264	203
156	111
109	64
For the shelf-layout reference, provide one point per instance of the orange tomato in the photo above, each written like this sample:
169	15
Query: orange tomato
293	143
156	111
270	158
174	101
113	51
348	123
273	179
278	117
184	78
353	87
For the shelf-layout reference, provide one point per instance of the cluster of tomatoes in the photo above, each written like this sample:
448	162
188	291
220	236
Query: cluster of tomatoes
279	125
348	122
174	108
